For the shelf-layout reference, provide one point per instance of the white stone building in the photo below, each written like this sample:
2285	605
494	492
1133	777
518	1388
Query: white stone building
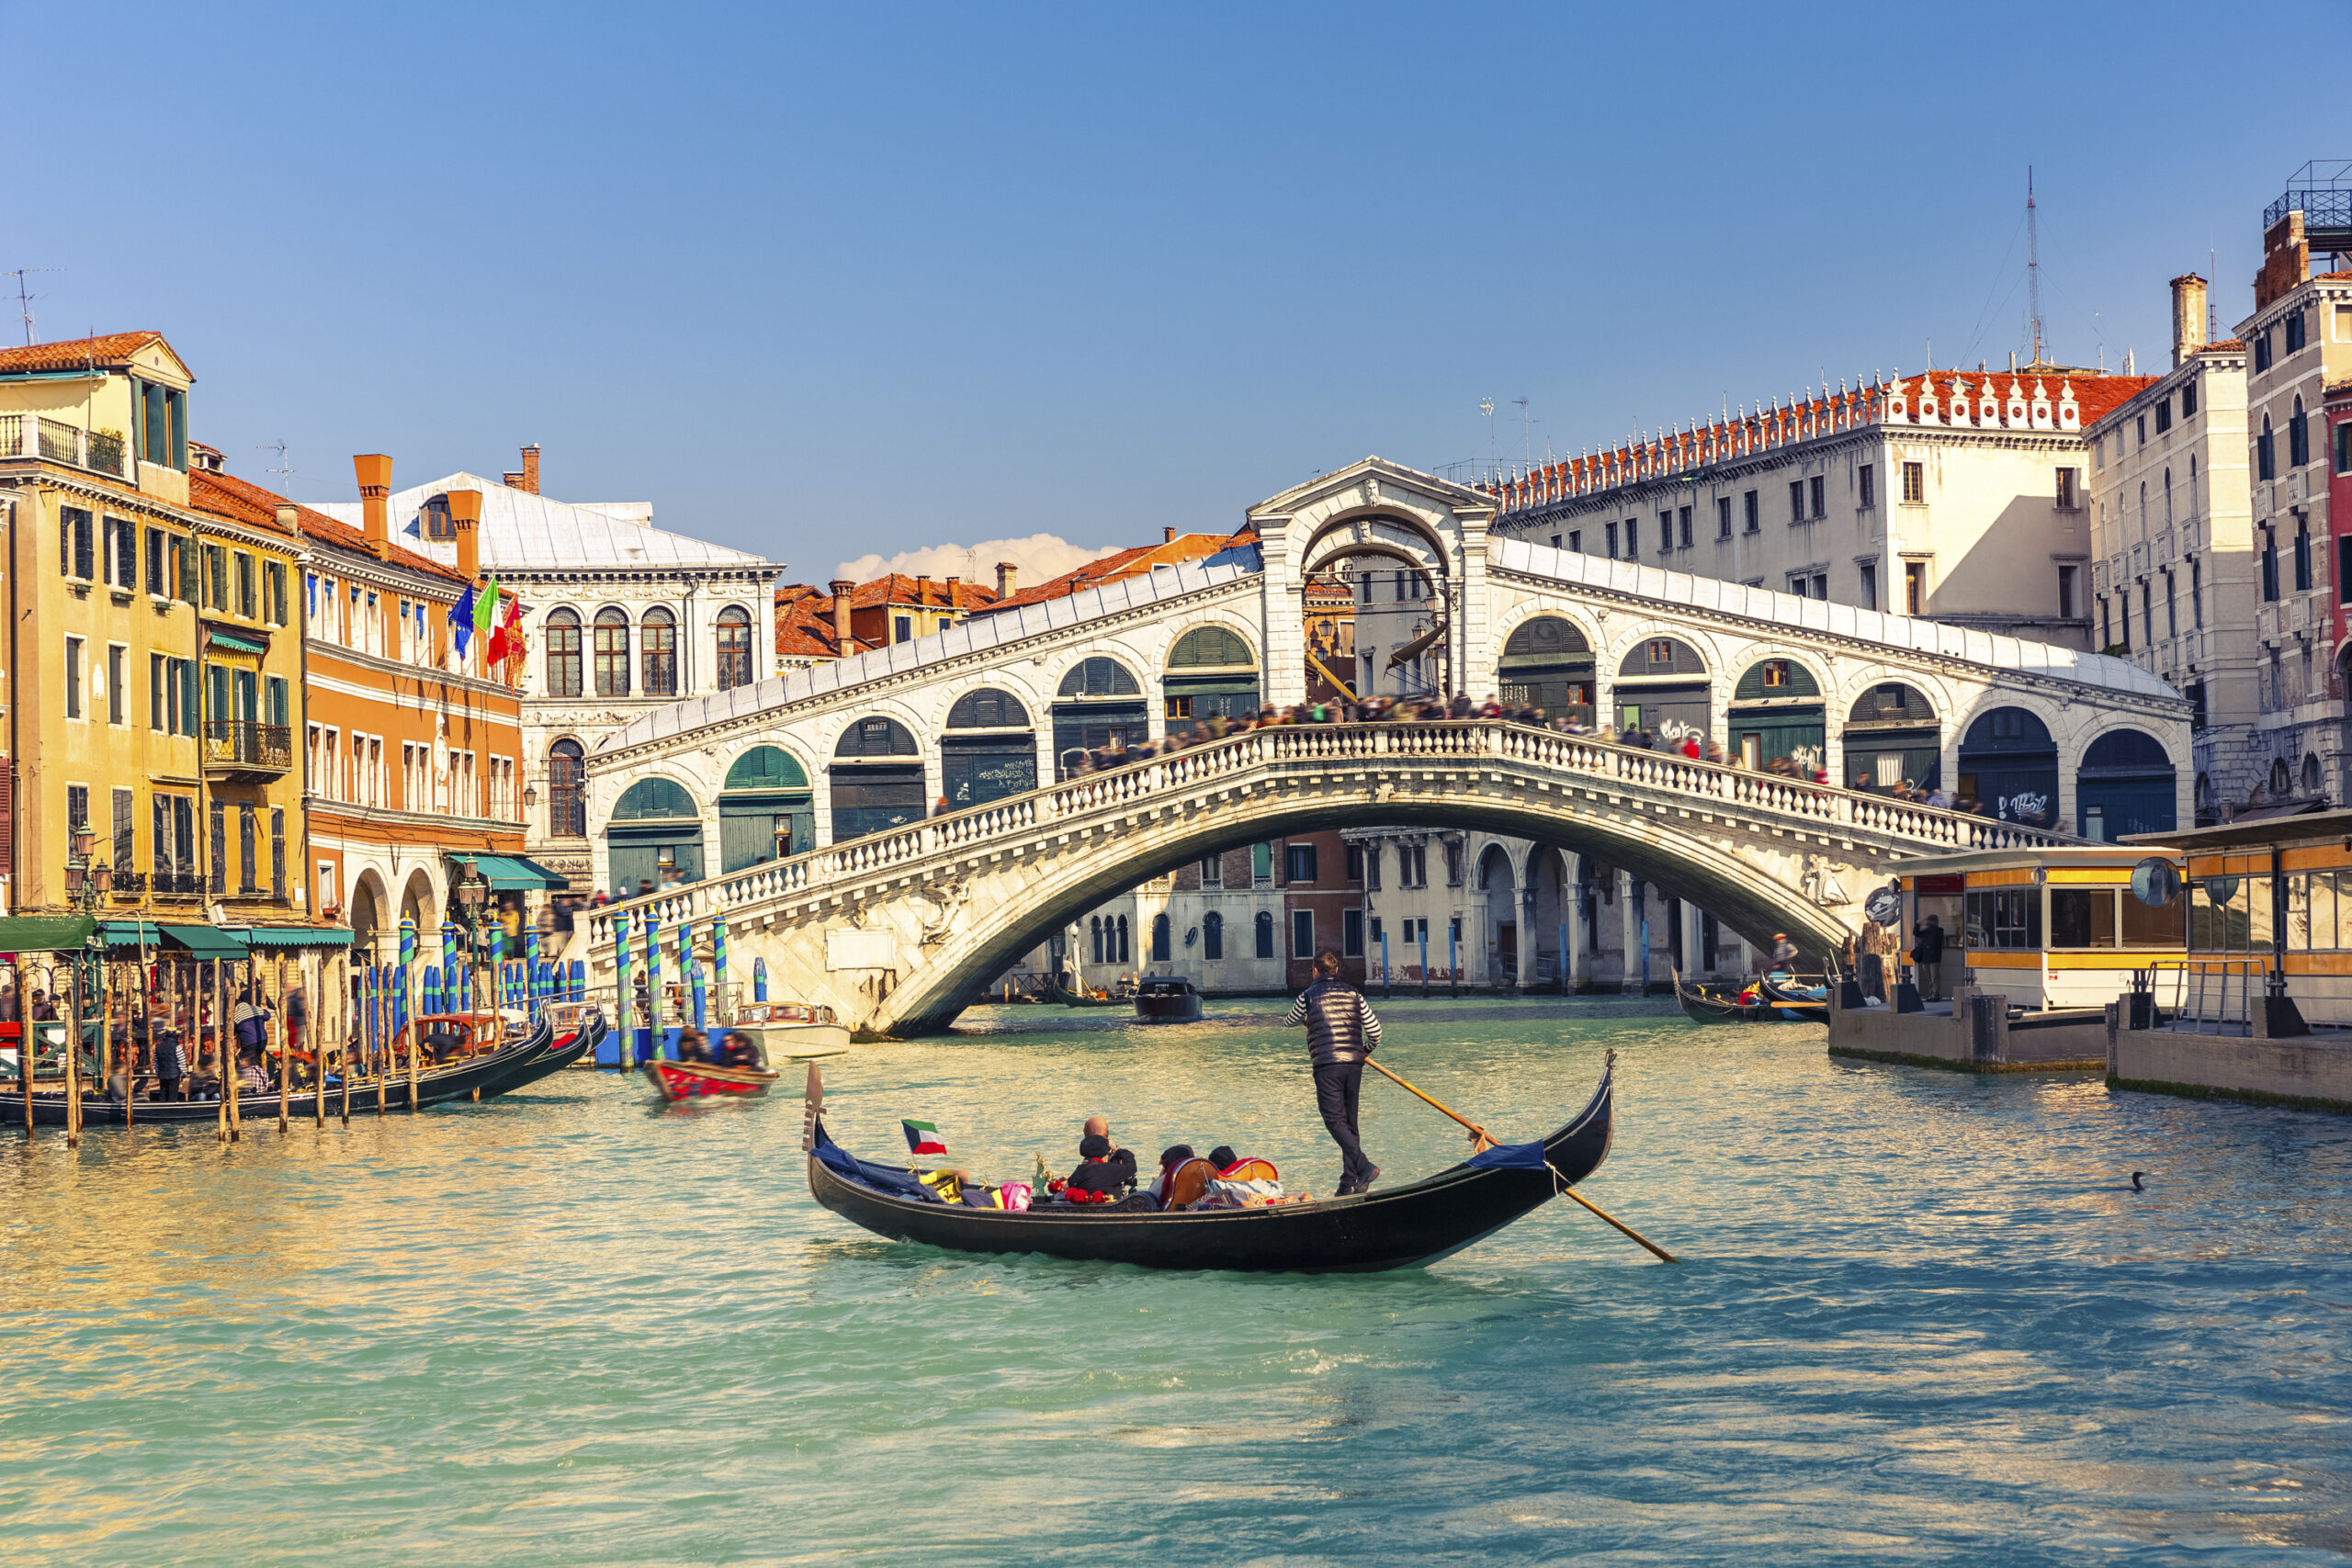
2174	581
621	618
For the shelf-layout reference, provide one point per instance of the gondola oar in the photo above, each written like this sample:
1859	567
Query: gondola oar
1481	1140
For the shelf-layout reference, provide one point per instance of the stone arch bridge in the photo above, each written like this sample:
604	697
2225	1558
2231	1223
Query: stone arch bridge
897	920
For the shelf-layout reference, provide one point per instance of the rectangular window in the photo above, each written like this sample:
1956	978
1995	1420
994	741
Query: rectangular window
74	545
2294	330
2262	349
182	570
1664	532
2066	502
1355	862
215	578
157	584
1683	518
275	606
1915	588
220	847
1262	866
278	854
1302	933
1298	863
1867	477
1379	936
245	603
74	677
1796	500
1633	539
1372	868
2065	593
77	807
2164	416
1870	585
903	628
124	846
1612	534
1213	871
2343	575
2082	917
1817	494
1576	540
248	848
1776	672
1351	933
118	666
158	694
2270	567
1753	513
1915	482
2303	557
2188	400
2343	446
1723	517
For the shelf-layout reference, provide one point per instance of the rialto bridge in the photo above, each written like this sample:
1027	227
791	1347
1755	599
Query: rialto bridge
798	806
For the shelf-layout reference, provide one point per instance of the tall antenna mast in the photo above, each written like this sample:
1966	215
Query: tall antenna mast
278	446
1486	407
25	300
1526	433
2033	262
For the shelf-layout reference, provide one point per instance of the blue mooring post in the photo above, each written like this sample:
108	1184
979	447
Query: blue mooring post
531	968
579	979
624	1032
1646	955
759	979
652	990
1425	960
694	977
1453	959
1566	967
1384	988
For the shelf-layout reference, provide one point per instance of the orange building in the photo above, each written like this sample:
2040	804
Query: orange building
848	618
412	751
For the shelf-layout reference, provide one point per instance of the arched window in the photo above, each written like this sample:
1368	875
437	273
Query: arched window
734	648
988	708
654	798
2299	436
2167	498
2282	781
1100	677
2311	772
1126	955
1212	937
2266	461
1265	933
1161	950
1095	923
567	799
563	653
612	653
2192	484
659	631
876	737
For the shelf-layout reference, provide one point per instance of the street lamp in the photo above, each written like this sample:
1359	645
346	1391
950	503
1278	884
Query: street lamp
471	895
86	883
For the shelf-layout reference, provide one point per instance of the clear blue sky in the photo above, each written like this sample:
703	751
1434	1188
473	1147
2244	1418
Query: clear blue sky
824	281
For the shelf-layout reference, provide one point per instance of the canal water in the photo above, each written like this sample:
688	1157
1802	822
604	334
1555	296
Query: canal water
1922	1319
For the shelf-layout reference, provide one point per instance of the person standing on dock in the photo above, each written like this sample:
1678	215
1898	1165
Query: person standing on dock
1929	957
1341	1031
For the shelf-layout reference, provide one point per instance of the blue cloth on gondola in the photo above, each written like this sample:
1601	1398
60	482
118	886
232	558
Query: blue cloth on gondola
1511	1157
881	1177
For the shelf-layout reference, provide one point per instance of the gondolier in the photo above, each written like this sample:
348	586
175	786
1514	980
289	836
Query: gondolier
1342	1030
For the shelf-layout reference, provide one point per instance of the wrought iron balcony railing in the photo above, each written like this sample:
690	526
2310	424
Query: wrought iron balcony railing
241	743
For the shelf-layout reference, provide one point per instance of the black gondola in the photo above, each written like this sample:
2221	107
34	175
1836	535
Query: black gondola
509	1067
1395	1228
1168	1001
1700	1006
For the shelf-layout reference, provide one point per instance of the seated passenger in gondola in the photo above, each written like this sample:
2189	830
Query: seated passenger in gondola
444	1040
692	1047
1171	1162
1101	1175
738	1050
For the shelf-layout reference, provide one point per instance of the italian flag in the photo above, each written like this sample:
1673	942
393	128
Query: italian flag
922	1138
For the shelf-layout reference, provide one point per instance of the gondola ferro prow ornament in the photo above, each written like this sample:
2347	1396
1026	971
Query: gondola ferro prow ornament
814	1108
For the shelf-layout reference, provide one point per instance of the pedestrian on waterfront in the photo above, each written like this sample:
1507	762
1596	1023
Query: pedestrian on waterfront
171	1063
1877	941
297	1017
1341	1034
1928	958
1784	952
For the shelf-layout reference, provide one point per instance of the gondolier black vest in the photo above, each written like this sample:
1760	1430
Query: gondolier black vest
1339	1026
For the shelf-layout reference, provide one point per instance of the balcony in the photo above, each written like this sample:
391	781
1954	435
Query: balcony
239	748
30	435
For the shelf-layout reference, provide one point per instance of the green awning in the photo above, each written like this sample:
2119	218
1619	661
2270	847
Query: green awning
514	874
132	934
236	644
45	933
203	941
279	937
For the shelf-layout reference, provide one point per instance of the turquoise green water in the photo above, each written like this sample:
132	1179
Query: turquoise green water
1923	1320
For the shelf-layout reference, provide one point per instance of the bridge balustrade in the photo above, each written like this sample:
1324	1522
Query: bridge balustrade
1175	774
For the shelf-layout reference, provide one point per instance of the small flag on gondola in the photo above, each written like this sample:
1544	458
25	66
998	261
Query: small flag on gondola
924	1138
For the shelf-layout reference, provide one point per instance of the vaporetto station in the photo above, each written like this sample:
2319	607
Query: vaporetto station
899	929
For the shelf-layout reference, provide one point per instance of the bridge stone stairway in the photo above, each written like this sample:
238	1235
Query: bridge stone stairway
900	931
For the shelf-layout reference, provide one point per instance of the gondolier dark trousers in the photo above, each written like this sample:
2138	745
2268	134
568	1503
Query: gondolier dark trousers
1342	1030
1337	1084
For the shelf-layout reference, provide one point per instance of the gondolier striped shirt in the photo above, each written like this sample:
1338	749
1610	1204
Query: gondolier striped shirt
1341	1025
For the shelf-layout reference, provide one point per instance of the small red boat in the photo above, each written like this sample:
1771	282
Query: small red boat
701	1080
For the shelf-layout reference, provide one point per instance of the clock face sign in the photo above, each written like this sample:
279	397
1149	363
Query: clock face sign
1884	906
2155	882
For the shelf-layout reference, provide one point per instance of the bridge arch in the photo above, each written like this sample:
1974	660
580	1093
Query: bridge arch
1408	535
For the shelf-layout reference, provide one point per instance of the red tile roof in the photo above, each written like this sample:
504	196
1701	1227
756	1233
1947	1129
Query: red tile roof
241	500
804	626
75	353
1179	551
933	593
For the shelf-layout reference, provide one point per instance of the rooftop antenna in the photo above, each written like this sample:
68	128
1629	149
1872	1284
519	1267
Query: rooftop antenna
2033	263
278	446
24	300
2212	331
1486	407
1526	432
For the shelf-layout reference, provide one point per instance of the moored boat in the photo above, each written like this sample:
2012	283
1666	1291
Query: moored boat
1167	1000
1395	1228
1070	998
790	1030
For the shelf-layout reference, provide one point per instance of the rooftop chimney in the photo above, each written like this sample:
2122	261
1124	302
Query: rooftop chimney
923	588
531	468
375	471
465	521
289	518
1007	576
2187	315
842	587
1167	536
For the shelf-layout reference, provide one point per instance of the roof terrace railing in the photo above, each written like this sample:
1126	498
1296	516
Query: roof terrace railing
1314	748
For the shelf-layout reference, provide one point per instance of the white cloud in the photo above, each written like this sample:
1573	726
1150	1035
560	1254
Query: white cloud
1040	558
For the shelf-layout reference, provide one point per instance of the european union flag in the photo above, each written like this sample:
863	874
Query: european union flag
461	621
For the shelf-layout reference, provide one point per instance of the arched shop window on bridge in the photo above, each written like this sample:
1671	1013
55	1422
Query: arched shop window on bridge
1892	737
2125	786
654	838
2009	761
766	810
876	779
1662	687
1776	712
1211	670
1547	664
1100	706
989	751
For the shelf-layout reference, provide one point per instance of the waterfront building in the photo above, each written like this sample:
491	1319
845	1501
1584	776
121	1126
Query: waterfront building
621	618
1957	496
1173	550
411	752
2174	581
2299	341
812	627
